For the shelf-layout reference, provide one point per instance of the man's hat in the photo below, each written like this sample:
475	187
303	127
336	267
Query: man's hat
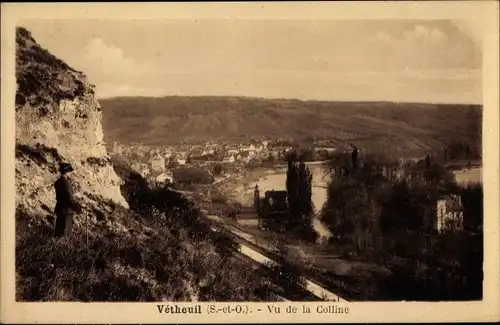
65	167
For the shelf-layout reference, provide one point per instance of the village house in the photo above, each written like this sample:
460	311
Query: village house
243	157
449	213
330	150
140	150
197	152
153	152
182	157
244	147
167	154
207	151
165	177
252	154
141	168
229	159
157	163
233	151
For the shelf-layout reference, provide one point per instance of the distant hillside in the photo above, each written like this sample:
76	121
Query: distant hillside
404	127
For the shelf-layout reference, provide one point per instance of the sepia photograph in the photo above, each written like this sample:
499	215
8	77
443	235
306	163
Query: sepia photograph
192	160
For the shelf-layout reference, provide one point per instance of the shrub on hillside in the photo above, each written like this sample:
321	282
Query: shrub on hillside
43	79
178	258
112	267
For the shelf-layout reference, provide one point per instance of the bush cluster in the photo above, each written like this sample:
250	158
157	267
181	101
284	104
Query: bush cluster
392	221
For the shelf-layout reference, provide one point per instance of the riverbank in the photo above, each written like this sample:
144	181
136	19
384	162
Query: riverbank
466	176
277	181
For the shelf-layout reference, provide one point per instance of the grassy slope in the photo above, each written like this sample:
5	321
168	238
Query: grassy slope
408	128
168	265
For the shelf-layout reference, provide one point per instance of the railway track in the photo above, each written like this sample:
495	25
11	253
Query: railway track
289	291
304	288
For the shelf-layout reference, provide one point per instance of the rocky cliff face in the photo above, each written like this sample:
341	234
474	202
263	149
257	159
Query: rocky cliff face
58	119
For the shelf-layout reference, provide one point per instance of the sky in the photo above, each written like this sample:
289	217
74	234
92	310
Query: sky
437	61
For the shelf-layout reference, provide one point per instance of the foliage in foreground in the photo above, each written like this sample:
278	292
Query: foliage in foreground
170	255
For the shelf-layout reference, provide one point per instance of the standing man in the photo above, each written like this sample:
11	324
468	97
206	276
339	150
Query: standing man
65	202
354	157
